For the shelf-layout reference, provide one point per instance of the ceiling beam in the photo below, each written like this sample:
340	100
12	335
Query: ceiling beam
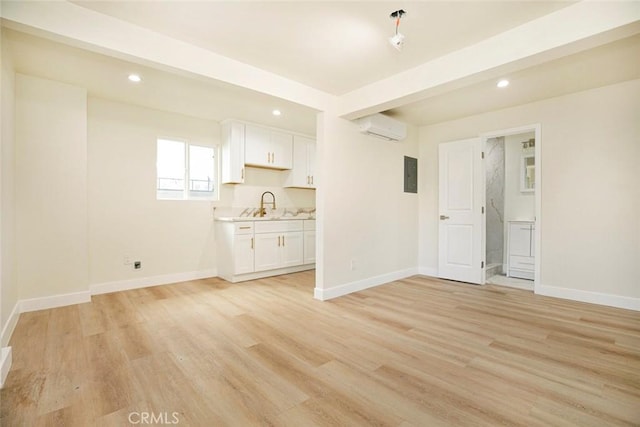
81	27
569	30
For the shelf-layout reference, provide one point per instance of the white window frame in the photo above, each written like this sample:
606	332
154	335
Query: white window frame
186	192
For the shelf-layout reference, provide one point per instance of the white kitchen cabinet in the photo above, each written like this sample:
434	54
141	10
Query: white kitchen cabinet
268	148
521	249
304	160
309	252
235	248
279	244
243	254
250	249
233	152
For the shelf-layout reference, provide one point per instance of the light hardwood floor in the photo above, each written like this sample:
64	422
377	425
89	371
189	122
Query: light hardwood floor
417	352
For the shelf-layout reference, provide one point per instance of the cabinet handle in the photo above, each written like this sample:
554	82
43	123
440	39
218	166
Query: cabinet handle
252	243
278	241
311	179
273	157
308	181
245	227
443	217
242	173
282	240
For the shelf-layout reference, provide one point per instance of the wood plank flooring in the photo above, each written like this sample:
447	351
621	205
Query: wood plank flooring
416	352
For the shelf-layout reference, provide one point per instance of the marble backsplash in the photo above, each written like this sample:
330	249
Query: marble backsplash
242	212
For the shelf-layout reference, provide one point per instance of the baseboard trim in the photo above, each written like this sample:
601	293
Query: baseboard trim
5	364
359	285
145	282
428	271
268	273
43	303
588	296
10	325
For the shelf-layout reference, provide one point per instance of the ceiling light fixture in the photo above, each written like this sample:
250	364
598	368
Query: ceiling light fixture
503	83
397	40
135	78
276	112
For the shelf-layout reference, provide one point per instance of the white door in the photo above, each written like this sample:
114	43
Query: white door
460	208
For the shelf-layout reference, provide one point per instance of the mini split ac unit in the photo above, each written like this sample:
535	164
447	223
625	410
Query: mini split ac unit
383	127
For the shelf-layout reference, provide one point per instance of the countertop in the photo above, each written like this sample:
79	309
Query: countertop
265	218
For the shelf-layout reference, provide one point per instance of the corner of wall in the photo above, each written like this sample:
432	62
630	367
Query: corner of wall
5	364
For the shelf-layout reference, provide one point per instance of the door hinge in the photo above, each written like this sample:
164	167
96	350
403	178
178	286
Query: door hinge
482	264
483	154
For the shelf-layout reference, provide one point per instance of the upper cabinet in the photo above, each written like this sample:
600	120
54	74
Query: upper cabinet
304	159
232	152
268	148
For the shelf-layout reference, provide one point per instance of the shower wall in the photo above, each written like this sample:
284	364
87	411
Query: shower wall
494	161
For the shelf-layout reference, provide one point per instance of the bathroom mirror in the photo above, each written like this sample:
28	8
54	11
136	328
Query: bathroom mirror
528	173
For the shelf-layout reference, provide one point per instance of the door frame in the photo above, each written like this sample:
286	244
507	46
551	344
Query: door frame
536	128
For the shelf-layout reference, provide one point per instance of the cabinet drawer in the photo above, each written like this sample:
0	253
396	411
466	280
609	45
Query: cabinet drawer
309	224
278	226
243	227
522	262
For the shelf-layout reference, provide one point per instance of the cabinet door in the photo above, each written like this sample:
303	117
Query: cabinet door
281	150
311	163
267	251
300	176
243	253
309	247
520	239
257	146
292	248
232	153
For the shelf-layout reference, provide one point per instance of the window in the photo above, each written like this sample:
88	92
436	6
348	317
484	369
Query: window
185	171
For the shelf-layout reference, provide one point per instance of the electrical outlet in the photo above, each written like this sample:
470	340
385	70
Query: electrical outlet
137	265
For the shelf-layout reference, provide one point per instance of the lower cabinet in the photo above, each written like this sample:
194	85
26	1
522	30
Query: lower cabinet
309	241
243	254
253	249
521	250
278	250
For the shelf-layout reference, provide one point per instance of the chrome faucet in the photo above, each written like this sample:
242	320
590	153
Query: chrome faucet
262	212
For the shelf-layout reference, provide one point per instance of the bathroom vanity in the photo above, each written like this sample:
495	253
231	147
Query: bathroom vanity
521	249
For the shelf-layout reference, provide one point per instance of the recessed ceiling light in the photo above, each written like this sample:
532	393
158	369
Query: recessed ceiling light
503	83
135	78
276	112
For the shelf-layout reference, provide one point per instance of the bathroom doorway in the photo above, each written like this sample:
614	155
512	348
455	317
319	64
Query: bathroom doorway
510	208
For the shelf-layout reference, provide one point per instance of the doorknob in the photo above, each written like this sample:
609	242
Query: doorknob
443	217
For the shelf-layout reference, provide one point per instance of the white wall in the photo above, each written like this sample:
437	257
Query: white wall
8	286
125	218
365	216
590	209
50	188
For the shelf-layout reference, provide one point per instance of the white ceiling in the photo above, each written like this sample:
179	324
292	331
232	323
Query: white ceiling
331	46
106	77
